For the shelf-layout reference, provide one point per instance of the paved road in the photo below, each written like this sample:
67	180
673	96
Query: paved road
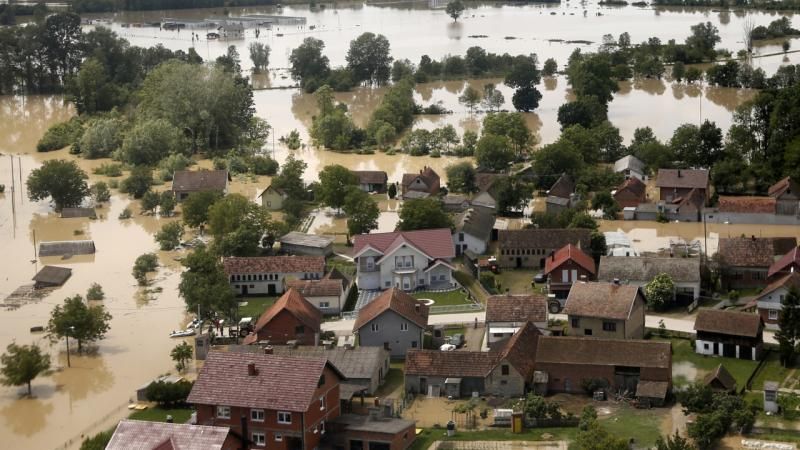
435	319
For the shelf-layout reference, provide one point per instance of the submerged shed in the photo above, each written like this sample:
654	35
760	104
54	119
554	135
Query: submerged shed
64	248
69	213
51	276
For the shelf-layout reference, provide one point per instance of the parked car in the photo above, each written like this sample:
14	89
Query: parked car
540	278
457	340
447	347
246	326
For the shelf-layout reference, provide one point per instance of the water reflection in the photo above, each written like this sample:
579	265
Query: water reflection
26	416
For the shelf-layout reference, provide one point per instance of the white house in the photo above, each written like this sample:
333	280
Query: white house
405	260
768	301
268	275
505	314
328	294
473	231
630	166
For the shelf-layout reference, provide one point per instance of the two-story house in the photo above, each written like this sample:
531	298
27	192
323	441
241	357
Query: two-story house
746	261
566	266
393	320
787	264
769	301
786	193
267	275
473	231
422	184
640	270
676	184
271	401
531	247
505	314
732	334
185	182
404	260
291	318
328	294
606	310
631	167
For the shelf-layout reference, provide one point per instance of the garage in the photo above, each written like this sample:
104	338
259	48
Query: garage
746	352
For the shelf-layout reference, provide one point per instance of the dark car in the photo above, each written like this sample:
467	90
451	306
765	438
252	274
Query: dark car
540	278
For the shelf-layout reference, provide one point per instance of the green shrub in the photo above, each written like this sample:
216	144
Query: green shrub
95	292
167	395
125	214
263	165
109	170
60	135
171	164
144	264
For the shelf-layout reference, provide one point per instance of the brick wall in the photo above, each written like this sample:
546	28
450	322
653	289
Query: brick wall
282	328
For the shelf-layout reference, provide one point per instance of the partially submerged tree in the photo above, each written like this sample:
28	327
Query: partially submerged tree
204	285
75	319
454	9
170	236
181	353
142	266
63	181
21	364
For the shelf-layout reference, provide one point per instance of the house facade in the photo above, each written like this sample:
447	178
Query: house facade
404	260
394	320
640	270
787	264
676	184
290	318
272	198
327	295
745	261
786	193
530	248
769	301
566	266
186	182
731	334
267	275
473	231
605	310
426	182
506	314
372	180
631	167
631	193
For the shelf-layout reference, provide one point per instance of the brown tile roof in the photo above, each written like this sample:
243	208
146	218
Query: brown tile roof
721	375
142	435
544	238
435	243
371	176
428	175
317	288
297	306
753	251
645	268
604	352
789	280
516	308
602	300
284	383
746	204
53	275
449	364
682	178
477	222
652	389
273	264
563	187
484	181
780	188
786	261
68	213
569	253
733	323
397	301
693	201
634	186
520	350
201	180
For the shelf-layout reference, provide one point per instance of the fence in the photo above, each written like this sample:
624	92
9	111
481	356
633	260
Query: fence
451	309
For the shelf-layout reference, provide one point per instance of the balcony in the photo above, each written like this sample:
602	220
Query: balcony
364	268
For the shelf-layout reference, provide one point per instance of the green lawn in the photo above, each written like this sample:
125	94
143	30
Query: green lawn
516	281
394	380
454	330
157	414
444	298
429	435
770	371
683	354
255	306
643	425
469	282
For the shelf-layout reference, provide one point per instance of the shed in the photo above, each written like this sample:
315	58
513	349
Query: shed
771	397
654	393
452	387
69	213
66	248
720	380
297	243
51	276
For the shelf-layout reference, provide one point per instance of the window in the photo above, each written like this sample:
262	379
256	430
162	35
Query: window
460	237
324	304
705	346
413	344
300	329
404	326
773	314
587	332
257	415
576	323
321	380
322	403
609	326
374	326
284	417
322	427
442	277
278	437
269	204
388	284
223	412
574	275
565	276
503	382
259	439
504	369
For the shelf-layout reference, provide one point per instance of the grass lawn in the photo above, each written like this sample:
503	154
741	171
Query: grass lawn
469	282
157	414
255	306
444	298
455	330
770	371
683	354
394	380
429	435
516	281
643	425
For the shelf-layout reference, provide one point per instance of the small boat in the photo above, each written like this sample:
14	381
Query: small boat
182	333
194	324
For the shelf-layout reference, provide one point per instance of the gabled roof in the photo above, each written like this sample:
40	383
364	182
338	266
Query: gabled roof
604	352
200	180
516	308
53	275
544	238
722	376
143	435
449	364
354	363
790	280
306	240
682	178
317	288
284	383
645	268
277	190
294	303
629	162
435	243
754	251
273	264
476	222
786	261
371	176
563	187
569	253
484	181
427	174
601	300
397	301
695	199
782	186
634	186
61	248
520	351
747	204
733	323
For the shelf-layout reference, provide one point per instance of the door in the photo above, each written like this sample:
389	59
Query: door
244	289
423	385
519	262
745	352
729	350
458	250
271	289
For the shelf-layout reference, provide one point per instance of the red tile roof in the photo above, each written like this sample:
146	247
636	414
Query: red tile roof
143	435
397	301
779	188
634	186
436	243
789	280
516	308
754	251
449	364
747	204
682	178
521	350
273	264
284	383
604	352
733	323
428	175
297	306
602	300
786	261
569	253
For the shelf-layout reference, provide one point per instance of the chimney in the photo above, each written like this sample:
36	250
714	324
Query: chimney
552	256
583	278
680	175
753	237
268	350
251	369
616	281
416	307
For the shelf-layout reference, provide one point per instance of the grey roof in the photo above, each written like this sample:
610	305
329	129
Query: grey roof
354	363
200	180
563	187
63	248
642	268
454	199
629	162
358	422
306	240
415	194
68	213
53	275
142	435
557	200
476	222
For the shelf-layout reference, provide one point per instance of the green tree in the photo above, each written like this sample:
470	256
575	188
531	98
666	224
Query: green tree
335	182
603	200
238	225
144	264
470	98
585	111
391	191
181	354
138	182
259	54
149	141
63	181
592	75
788	332
205	286
523	77
95	292
423	213
170	236
583	220
100	192
493	99
511	125
461	177
512	194
21	364
308	65
97	442
786	45
454	9
678	73
588	415
195	207
101	138
704	38
290	178
75	319
660	292
150	201
550	67
369	60
595	437
166	203
362	211
557	158
494	152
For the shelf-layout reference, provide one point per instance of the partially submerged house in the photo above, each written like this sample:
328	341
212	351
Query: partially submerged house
746	260
424	184
66	248
566	266
531	247
69	213
260	275
631	167
606	310
561	195
769	301
631	193
505	314
303	244
473	231
677	184
147	435
272	198
290	318
731	334
786	193
372	180
187	182
638	271
51	276
394	320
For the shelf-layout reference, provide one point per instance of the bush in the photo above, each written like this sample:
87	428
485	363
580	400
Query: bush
95	292
97	442
109	170
101	138
60	135
144	264
139	182
170	236
263	165
125	214
171	164
489	282
168	395
100	192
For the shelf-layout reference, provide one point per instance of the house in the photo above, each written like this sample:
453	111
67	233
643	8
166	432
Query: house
473	231
231	31
51	276
631	167
770	300
66	248
561	195
393	320
746	260
786	193
145	435
788	263
638	271
746	205
731	334
485	200
328	294
424	183
267	275
272	198
404	259
749	210
281	400
530	248
676	184
631	193
290	318
374	431
720	380
688	208
622	364
566	266
505	372
606	310
372	180
455	203
296	243
487	194
505	314
186	182
70	213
